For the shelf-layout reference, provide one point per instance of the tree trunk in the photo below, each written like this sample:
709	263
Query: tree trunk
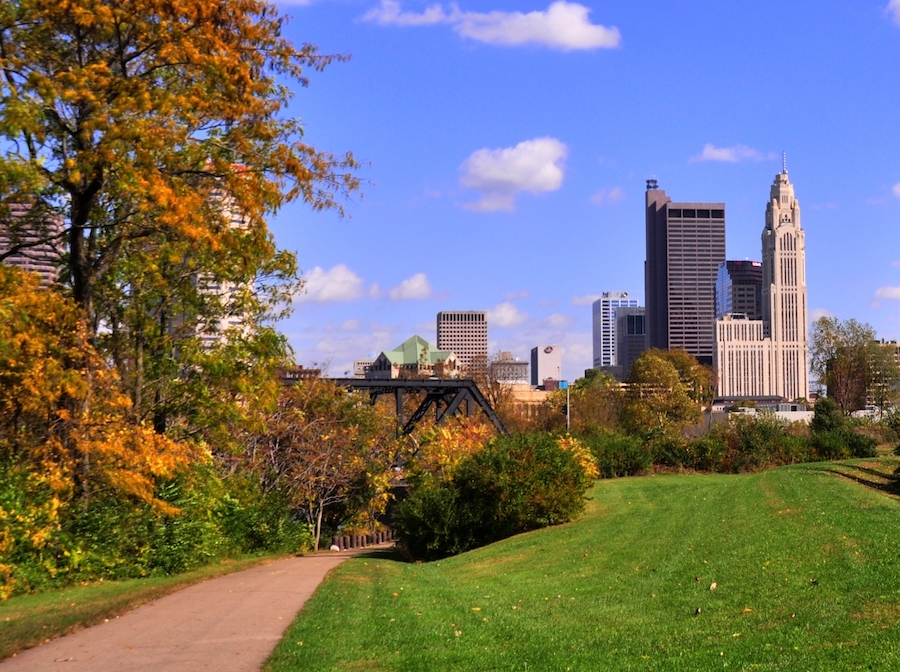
318	526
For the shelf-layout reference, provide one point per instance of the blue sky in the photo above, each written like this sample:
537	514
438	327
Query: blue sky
506	146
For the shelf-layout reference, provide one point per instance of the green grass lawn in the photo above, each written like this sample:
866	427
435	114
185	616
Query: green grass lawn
806	566
28	620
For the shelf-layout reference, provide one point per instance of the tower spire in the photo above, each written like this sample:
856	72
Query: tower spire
784	162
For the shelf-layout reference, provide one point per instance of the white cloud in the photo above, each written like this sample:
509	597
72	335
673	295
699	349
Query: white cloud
896	188
389	14
888	292
506	315
816	313
533	165
564	25
608	196
416	287
558	321
351	325
893	9
337	351
586	300
338	284
729	154
512	296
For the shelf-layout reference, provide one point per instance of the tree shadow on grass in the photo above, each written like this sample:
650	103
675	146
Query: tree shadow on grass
383	554
888	483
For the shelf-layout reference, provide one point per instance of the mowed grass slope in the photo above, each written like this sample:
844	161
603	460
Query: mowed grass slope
806	565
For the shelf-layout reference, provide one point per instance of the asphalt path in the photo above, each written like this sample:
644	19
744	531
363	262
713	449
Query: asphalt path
228	624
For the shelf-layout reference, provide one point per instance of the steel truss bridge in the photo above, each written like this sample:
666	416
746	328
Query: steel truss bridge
448	397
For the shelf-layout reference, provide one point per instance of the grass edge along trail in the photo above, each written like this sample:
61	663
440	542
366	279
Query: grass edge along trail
29	620
794	568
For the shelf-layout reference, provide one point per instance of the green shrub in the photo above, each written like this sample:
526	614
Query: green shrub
827	417
255	522
515	484
618	454
428	522
861	445
831	445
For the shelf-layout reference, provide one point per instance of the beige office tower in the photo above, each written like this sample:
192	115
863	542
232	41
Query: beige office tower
225	293
768	357
37	243
784	290
464	332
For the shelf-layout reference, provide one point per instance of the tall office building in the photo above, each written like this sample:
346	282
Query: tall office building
739	289
768	357
224	293
39	243
546	364
631	337
464	332
685	245
604	326
784	290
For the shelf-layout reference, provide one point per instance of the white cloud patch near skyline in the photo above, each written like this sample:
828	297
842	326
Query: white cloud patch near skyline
816	313
506	315
896	188
339	283
734	154
416	287
888	292
893	9
564	25
558	321
586	300
500	174
608	196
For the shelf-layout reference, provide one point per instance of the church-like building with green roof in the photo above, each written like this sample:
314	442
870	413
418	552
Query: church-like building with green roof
414	358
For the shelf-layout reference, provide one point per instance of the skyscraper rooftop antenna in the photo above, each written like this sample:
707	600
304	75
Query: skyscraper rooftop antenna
784	162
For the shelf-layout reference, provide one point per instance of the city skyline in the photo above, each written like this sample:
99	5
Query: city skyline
451	121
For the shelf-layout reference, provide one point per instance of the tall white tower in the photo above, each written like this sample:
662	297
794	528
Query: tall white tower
784	290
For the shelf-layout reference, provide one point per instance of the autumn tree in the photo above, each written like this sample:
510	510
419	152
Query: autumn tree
848	359
158	136
134	120
657	400
324	446
699	380
83	447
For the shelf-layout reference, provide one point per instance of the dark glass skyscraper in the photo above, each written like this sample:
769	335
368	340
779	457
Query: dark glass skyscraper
685	245
739	289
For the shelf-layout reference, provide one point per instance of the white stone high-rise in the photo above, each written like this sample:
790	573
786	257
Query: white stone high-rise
603	312
768	357
784	290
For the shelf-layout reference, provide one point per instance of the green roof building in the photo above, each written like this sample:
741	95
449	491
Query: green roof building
414	358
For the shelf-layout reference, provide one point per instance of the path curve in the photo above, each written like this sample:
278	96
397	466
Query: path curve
228	624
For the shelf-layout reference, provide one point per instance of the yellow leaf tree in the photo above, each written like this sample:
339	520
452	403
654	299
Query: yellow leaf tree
131	120
324	446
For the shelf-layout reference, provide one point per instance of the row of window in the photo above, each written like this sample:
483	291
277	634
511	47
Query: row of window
696	213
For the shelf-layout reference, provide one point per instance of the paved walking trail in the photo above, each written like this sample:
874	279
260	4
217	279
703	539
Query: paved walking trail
227	624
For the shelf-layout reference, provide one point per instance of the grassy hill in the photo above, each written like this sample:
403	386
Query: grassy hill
805	565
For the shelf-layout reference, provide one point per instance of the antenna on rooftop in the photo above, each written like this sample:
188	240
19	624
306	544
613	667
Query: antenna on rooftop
784	162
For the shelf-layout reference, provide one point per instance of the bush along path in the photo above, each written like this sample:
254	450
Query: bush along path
228	624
